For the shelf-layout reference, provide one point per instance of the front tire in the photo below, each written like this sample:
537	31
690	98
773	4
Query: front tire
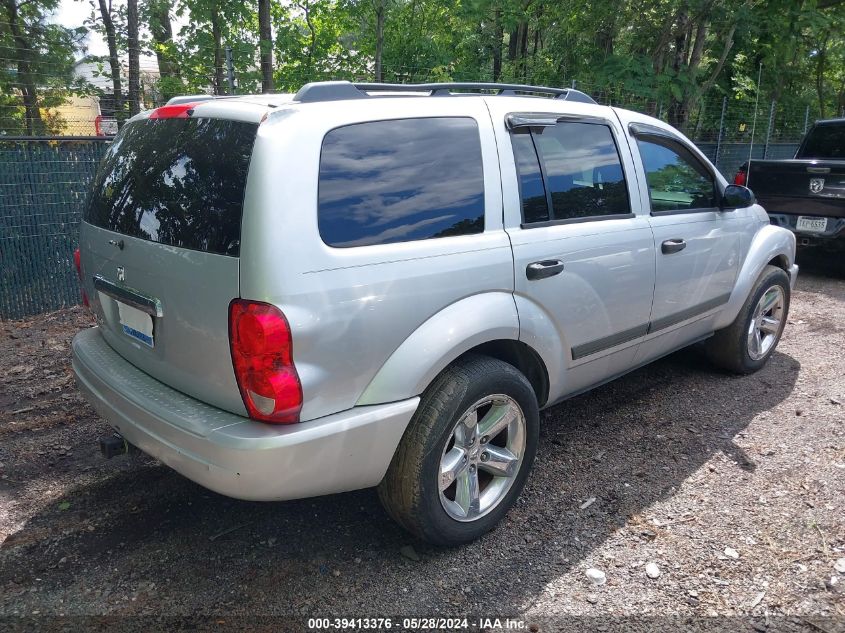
466	454
746	344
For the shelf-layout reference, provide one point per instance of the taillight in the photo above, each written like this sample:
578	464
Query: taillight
741	177
262	355
77	262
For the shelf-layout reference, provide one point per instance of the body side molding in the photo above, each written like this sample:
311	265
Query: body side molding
599	345
683	315
602	344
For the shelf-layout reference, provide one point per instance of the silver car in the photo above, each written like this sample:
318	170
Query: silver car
374	285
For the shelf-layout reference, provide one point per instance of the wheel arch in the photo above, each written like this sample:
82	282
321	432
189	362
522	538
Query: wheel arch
485	324
781	261
523	358
771	245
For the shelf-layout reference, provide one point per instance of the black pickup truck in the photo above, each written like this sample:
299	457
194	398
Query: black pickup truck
805	194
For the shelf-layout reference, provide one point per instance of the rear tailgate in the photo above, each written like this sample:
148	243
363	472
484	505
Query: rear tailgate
805	187
160	249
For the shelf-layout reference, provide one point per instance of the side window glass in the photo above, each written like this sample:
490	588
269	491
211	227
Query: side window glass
580	172
395	181
677	180
531	188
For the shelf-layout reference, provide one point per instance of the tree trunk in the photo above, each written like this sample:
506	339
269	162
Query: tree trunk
217	36
313	37
677	111
134	57
729	42
380	6
698	47
604	39
523	40
662	44
512	42
162	31
821	60
521	49
26	78
114	62
498	35
265	35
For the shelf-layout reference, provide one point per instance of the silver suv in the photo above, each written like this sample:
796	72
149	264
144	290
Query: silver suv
373	285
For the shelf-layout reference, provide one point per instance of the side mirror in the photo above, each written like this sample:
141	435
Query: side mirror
737	197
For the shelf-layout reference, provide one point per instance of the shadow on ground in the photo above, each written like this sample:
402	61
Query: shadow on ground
825	263
145	540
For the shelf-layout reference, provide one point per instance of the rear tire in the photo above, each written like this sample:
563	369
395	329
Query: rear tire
746	344
452	478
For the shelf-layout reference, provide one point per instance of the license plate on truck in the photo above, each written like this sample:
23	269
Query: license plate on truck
811	225
137	324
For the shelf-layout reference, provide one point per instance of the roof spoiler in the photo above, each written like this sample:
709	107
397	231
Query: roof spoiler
189	99
197	98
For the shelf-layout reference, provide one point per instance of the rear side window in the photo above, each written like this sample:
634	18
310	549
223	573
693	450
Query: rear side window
396	181
535	206
825	142
176	181
576	166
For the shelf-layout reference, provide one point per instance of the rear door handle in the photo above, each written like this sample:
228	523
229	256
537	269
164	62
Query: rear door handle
118	292
543	269
673	246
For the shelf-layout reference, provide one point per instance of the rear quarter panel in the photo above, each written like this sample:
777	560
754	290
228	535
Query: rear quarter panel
351	308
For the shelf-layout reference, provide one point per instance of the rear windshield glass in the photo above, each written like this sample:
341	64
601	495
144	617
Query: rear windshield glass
825	141
176	181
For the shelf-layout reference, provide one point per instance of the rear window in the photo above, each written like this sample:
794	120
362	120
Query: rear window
825	141
402	180
178	182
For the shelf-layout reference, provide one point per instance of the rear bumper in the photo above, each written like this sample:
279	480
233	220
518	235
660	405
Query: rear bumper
228	453
835	229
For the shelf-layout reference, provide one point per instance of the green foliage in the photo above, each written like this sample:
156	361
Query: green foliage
672	58
36	59
318	39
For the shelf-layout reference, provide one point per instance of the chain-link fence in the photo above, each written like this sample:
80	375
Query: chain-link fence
734	132
43	186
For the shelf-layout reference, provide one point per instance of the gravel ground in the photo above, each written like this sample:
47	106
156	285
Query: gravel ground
733	487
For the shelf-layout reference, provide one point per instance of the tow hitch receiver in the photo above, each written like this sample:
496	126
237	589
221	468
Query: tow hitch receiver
113	445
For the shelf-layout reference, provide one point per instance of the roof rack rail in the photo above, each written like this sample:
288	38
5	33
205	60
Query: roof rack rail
342	90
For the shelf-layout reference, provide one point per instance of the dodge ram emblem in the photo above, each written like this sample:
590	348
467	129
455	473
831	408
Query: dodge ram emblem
121	274
816	184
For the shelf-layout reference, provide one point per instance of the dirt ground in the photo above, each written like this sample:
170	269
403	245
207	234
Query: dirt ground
734	487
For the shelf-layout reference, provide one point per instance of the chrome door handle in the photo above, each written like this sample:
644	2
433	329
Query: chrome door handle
543	269
142	302
673	246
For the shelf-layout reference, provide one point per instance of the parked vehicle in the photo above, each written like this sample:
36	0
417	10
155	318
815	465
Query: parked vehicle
806	194
374	285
